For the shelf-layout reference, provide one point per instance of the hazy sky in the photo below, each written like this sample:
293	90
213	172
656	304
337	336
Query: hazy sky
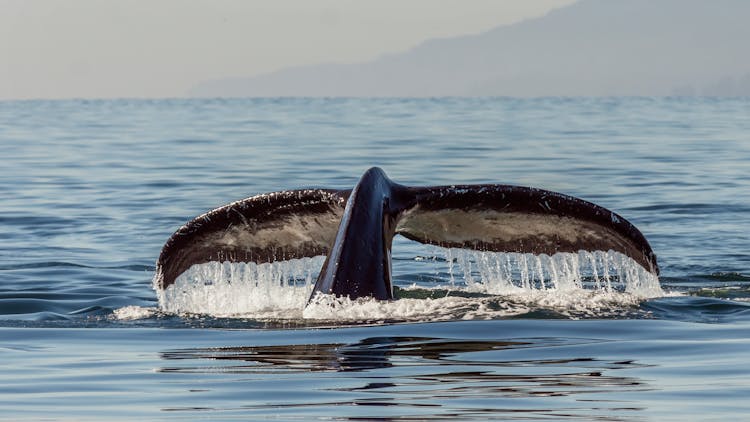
160	48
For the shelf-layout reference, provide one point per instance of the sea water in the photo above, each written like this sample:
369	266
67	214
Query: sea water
92	189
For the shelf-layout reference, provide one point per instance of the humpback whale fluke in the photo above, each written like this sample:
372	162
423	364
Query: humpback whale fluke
355	228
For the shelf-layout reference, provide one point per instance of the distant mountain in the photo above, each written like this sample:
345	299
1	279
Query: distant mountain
593	47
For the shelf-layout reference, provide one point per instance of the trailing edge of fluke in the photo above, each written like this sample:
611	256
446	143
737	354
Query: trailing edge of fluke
354	229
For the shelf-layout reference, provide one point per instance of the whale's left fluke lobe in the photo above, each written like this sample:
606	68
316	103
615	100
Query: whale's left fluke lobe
264	228
355	228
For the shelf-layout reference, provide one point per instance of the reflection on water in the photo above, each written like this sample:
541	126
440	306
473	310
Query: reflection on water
370	353
434	377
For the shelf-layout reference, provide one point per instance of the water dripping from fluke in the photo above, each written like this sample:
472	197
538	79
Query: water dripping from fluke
466	285
272	254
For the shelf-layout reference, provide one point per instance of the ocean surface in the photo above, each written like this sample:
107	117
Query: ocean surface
91	190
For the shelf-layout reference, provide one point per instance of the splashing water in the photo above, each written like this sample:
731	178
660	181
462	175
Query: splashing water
477	285
268	290
516	273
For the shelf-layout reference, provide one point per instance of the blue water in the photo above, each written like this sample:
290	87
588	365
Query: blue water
92	189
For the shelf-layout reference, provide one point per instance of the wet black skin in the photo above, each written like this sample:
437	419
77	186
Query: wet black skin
359	263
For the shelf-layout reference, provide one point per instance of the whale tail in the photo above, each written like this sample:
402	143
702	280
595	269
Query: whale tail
355	228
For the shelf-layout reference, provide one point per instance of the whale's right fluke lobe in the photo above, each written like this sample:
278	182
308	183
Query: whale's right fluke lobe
506	218
497	218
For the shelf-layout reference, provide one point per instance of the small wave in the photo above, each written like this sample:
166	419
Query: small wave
725	292
699	308
692	208
62	264
46	264
728	276
36	221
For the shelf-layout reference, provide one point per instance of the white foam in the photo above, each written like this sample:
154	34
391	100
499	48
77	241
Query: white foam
329	307
479	285
129	313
